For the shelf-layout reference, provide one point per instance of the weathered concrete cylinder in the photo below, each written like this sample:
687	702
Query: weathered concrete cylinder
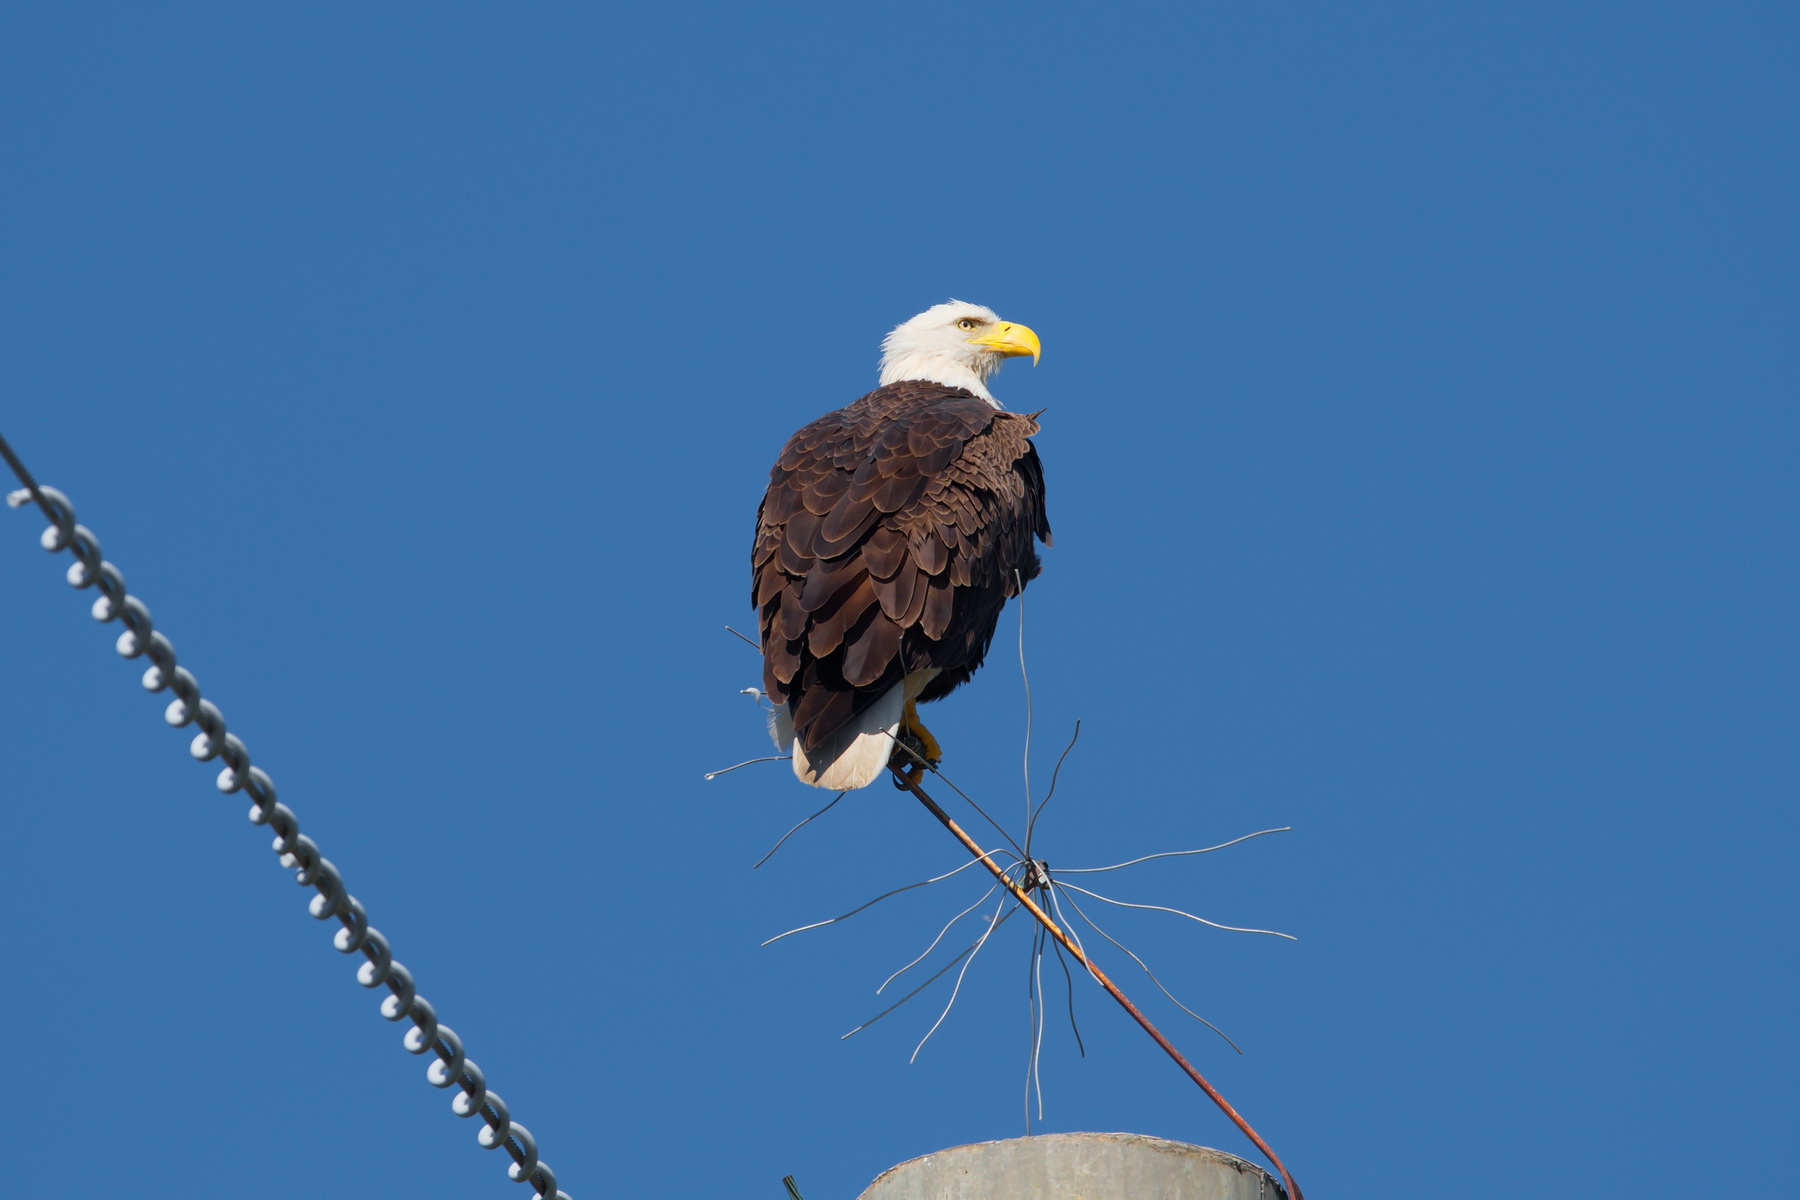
1076	1166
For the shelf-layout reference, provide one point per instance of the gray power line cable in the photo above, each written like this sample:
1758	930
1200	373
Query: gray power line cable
295	850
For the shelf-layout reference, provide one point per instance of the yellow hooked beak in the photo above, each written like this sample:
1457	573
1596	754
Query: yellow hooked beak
1011	341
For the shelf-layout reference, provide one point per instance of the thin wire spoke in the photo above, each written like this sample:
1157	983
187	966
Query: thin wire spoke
796	829
1025	678
934	941
966	951
1030	1037
1190	916
1152	974
746	640
711	775
1070	980
1031	825
1037	1048
997	921
877	900
998	828
935	976
1068	927
948	782
1170	853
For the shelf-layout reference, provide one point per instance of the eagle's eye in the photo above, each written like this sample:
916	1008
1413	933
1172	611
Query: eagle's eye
968	323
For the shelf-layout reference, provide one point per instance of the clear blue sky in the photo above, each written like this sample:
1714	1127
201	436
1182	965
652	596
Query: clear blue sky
1420	389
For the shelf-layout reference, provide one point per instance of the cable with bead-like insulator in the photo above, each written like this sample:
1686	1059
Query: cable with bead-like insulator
294	849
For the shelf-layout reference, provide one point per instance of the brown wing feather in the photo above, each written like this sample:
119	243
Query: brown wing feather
892	534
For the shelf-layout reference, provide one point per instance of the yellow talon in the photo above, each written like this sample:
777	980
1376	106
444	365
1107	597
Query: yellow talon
912	744
928	745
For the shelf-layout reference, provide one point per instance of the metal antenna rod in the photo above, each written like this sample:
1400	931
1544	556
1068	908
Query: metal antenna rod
909	782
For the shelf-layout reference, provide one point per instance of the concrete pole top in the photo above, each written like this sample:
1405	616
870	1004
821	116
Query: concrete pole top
1076	1166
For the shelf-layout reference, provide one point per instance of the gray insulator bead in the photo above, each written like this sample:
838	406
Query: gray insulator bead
520	1171
468	1102
355	932
399	1005
425	1026
375	972
446	1071
493	1134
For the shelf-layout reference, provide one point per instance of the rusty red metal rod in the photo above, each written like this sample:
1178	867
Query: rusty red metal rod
910	782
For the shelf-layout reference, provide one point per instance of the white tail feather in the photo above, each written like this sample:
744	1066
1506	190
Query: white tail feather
781	728
854	756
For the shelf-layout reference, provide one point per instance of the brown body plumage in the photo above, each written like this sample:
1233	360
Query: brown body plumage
893	532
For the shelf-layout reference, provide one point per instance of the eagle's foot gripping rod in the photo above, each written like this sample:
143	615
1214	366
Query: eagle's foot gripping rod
908	769
912	755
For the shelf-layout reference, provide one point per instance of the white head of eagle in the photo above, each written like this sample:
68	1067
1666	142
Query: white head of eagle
892	533
957	344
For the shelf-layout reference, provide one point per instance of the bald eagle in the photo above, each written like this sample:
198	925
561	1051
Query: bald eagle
892	533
